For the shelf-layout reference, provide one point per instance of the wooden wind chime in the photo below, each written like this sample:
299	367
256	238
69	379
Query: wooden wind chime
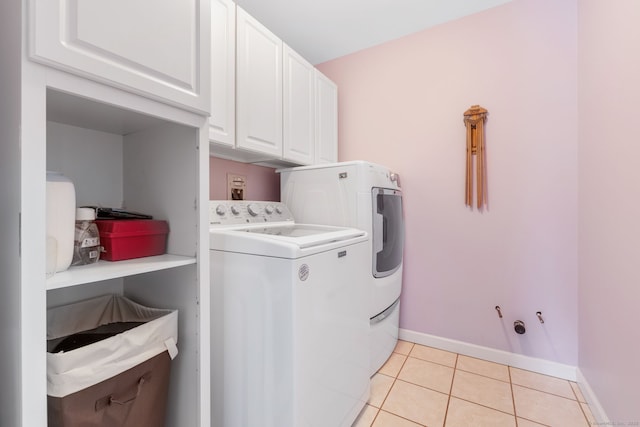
474	119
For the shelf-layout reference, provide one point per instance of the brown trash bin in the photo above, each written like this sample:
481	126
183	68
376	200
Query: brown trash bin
109	363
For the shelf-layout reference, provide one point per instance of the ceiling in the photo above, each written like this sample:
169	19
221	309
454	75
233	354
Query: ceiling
321	30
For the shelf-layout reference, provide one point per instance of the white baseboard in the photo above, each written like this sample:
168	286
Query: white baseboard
594	404
541	366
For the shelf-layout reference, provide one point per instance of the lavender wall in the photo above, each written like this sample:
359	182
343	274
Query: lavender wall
262	182
609	159
402	105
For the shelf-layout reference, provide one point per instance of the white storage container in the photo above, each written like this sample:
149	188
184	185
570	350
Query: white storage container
61	219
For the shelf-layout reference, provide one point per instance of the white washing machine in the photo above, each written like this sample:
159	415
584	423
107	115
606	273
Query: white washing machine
366	196
289	319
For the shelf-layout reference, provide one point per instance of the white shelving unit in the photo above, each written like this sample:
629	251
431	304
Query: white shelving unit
150	164
121	150
105	270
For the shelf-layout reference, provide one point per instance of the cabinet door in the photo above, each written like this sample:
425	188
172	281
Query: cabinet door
326	120
258	87
299	108
222	123
158	49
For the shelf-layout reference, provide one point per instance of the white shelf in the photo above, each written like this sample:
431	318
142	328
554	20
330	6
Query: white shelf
105	270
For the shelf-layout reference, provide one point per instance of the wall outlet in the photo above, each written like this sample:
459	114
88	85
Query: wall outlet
236	186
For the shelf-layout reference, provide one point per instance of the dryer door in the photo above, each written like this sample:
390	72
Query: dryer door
388	231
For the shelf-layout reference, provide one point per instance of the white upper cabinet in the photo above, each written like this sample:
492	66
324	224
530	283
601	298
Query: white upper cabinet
258	87
222	123
326	139
158	49
268	104
299	108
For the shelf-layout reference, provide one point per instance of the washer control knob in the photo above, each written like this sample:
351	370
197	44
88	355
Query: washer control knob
235	210
253	210
268	209
221	210
278	210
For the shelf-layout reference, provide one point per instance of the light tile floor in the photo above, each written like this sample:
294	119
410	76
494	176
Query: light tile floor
424	386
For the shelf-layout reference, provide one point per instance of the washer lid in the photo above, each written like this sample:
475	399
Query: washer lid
283	240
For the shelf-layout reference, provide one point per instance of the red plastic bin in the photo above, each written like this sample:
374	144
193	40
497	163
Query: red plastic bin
132	238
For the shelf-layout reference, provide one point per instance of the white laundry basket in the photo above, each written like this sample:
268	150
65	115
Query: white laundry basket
121	377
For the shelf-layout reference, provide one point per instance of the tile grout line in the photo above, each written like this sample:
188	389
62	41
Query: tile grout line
546	392
580	404
483	406
484	376
471	401
401	417
453	378
408	355
395	378
457	397
456	368
513	396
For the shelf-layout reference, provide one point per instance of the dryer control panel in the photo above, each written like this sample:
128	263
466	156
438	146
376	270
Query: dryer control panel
234	212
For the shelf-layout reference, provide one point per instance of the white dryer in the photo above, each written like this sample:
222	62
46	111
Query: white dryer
289	321
366	196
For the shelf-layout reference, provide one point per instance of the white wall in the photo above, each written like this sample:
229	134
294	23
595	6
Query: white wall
401	104
609	214
262	182
92	159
